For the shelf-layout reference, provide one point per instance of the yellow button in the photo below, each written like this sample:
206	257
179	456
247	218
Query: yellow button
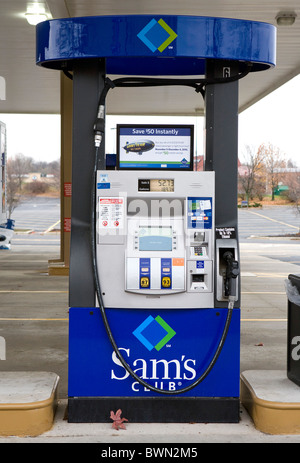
166	282
145	282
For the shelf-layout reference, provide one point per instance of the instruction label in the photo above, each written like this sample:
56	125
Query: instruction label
199	212
225	233
111	213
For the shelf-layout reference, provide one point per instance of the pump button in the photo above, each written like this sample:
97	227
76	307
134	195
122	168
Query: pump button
145	282
166	282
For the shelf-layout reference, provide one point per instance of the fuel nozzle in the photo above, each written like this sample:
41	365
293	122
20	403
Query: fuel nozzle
232	272
99	126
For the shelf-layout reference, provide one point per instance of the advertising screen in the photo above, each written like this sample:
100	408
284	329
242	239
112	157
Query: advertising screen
154	147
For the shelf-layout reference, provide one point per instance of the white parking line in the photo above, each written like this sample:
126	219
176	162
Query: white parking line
273	220
51	227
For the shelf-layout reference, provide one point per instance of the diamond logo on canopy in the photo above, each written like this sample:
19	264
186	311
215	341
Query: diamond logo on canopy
154	333
157	35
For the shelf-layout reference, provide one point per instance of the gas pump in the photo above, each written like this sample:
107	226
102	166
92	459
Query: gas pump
166	260
154	262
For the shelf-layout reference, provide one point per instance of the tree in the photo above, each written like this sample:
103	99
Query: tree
21	165
250	178
54	169
292	180
12	188
274	162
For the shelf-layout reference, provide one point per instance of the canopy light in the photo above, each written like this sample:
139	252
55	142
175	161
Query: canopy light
36	13
286	18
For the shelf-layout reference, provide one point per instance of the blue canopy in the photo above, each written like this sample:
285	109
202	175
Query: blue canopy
155	45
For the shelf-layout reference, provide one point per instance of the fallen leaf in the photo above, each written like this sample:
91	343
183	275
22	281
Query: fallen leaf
117	420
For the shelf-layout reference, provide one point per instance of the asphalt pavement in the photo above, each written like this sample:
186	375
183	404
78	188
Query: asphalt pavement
37	214
268	221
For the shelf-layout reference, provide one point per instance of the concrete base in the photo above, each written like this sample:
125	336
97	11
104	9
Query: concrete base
272	401
27	402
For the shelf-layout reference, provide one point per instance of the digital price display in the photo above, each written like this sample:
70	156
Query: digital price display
156	185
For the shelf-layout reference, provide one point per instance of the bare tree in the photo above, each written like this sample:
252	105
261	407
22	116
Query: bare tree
292	180
274	161
13	197
250	177
21	165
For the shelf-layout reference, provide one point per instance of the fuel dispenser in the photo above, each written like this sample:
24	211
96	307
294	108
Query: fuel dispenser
154	260
155	237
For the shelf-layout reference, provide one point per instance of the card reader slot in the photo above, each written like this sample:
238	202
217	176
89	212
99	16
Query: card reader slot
197	278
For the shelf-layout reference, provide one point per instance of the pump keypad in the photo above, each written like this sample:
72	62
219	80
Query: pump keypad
199	251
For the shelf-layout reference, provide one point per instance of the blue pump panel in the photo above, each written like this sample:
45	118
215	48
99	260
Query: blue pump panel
168	348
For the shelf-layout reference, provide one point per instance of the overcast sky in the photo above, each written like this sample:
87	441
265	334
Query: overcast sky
274	119
34	135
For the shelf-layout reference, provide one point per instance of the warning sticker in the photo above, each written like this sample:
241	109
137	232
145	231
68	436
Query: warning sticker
225	232
67	189
111	213
67	224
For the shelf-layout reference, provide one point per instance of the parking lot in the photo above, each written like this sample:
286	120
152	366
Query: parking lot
268	221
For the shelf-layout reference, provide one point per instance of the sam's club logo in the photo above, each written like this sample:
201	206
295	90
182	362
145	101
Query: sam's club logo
157	35
154	333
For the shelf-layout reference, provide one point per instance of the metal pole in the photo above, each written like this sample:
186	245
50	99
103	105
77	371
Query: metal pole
88	81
